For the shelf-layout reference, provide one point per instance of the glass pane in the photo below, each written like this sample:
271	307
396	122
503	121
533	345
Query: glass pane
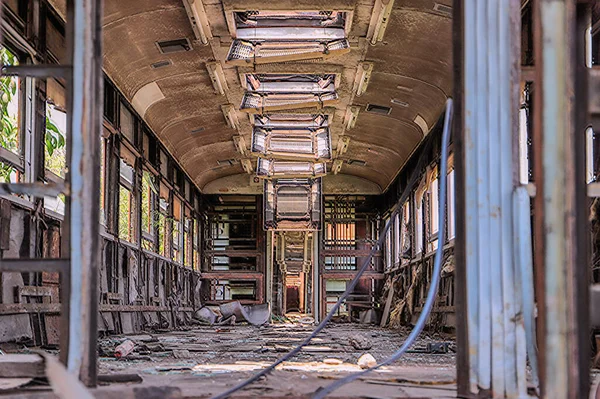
127	124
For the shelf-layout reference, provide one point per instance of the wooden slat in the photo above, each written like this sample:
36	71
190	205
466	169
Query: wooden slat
21	366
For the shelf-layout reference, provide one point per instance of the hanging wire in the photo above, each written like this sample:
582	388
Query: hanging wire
435	278
350	287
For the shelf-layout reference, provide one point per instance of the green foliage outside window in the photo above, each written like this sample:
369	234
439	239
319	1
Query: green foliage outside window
9	123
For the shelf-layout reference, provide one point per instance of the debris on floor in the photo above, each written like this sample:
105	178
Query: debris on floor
232	312
366	361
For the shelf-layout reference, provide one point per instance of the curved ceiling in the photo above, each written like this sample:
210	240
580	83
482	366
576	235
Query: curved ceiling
412	66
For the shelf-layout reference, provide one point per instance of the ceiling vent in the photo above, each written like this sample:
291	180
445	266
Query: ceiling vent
356	162
174	46
378	109
400	103
161	64
226	162
443	9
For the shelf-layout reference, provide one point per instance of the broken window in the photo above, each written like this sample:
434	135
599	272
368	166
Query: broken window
187	238
126	202
177	229
196	244
162	216
148	195
451	207
56	126
279	36
419	219
272	92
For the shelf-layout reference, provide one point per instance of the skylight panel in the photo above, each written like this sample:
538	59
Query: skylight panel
268	168
279	36
258	103
292	142
291	120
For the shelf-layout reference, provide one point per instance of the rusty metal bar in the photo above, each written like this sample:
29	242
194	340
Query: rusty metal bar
560	119
462	329
34	189
37	71
34	265
83	176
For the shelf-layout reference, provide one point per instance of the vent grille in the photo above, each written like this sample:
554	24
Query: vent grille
443	9
356	162
174	46
401	103
226	162
378	109
161	64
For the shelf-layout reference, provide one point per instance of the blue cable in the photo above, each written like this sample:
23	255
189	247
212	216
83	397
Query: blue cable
435	280
350	287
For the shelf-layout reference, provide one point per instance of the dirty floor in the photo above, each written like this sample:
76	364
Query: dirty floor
204	361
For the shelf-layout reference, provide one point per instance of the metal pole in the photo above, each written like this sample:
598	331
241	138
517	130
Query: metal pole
559	129
462	327
84	175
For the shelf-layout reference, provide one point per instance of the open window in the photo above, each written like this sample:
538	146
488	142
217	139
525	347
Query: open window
11	134
280	36
273	92
126	196
268	168
177	236
292	204
55	160
161	219
148	198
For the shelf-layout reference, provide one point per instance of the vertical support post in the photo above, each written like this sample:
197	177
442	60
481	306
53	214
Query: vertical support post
462	328
269	272
488	100
316	275
84	179
560	119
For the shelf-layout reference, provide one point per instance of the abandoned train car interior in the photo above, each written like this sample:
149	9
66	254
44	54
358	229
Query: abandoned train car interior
300	199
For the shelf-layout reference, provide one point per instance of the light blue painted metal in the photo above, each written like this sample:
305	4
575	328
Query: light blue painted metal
554	108
78	278
496	332
83	175
524	286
